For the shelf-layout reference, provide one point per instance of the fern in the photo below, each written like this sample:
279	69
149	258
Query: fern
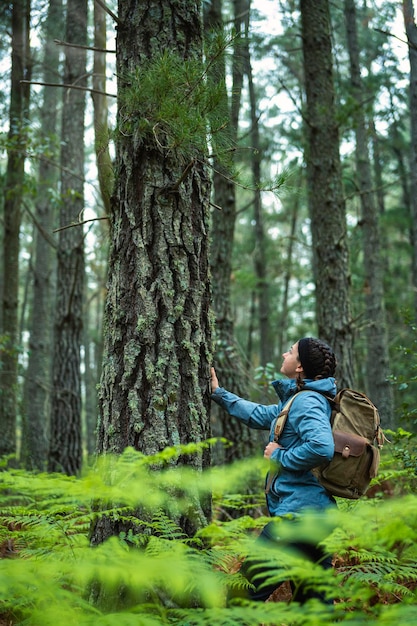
153	574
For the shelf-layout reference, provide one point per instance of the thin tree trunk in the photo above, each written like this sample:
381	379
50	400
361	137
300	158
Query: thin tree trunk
13	193
398	147
106	182
411	31
260	261
65	452
325	192
38	381
101	130
251	326
283	339
90	381
228	357
377	368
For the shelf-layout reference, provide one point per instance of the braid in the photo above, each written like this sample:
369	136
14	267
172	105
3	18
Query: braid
323	355
319	359
300	382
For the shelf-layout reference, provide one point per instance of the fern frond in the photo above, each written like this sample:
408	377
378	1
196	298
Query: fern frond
152	574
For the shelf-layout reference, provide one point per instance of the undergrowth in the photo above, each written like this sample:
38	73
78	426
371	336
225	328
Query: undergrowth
152	573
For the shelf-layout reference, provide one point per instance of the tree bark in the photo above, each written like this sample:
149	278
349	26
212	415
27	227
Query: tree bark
294	200
325	193
105	173
228	357
13	192
411	32
154	389
377	369
259	255
65	452
101	130
38	380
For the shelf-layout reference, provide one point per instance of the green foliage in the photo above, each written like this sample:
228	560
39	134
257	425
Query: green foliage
154	574
264	375
404	456
167	103
404	372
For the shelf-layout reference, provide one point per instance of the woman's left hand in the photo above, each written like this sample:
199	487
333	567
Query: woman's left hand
270	448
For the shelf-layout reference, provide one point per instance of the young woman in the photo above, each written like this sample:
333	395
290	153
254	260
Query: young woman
305	442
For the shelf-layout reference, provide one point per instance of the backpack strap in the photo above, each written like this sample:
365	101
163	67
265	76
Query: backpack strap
279	427
282	417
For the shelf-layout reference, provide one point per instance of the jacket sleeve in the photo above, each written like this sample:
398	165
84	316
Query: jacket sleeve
252	414
310	419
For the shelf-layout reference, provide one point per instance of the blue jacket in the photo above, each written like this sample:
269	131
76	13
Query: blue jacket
306	441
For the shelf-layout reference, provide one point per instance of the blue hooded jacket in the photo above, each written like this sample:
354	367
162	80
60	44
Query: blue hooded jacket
306	441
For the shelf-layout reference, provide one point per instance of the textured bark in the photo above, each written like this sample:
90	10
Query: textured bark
13	192
283	339
325	193
38	380
101	131
411	31
92	321
228	358
259	254
65	452
377	370
154	388
90	382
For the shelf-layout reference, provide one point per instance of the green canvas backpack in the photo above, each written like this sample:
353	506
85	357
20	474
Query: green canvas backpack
358	438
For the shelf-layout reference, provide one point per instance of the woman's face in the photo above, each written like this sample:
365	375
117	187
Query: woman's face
291	366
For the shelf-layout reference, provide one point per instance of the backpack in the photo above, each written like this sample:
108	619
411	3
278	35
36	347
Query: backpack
358	439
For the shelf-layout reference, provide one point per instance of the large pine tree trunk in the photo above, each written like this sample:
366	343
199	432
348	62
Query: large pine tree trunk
325	193
35	431
154	388
13	192
377	369
65	452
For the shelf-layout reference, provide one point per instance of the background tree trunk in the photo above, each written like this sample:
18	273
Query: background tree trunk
154	388
105	173
65	452
411	32
230	367
260	251
283	339
101	130
325	193
377	361
13	194
38	380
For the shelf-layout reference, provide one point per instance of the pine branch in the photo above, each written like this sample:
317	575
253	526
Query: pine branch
409	43
108	11
80	223
59	42
65	86
39	226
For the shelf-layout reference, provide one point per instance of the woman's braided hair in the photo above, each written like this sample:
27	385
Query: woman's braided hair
317	358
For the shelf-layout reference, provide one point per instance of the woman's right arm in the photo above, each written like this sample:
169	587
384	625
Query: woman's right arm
252	414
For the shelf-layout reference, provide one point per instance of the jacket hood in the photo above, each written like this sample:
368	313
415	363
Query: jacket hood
287	387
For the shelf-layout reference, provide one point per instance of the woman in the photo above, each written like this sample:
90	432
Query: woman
305	442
